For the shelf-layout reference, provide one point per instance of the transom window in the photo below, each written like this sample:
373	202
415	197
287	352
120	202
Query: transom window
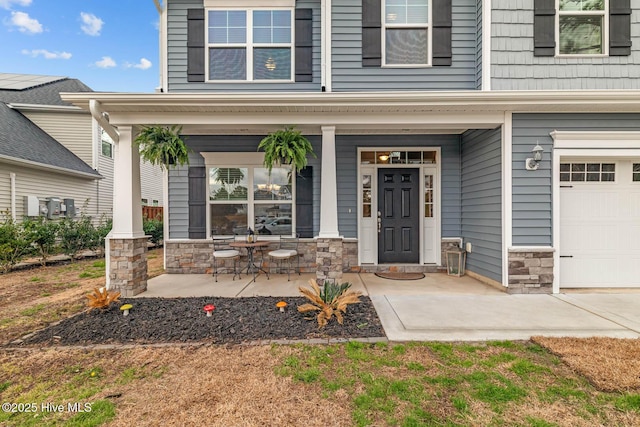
397	157
250	45
406	32
587	172
243	197
582	25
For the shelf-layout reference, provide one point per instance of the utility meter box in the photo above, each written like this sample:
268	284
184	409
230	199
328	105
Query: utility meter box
70	208
53	208
31	206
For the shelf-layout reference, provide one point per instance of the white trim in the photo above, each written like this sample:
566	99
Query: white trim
41	107
581	144
422	168
12	180
47	167
165	211
605	30
163	66
413	26
221	4
486	45
507	195
327	48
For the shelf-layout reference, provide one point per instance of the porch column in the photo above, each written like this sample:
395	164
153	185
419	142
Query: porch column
128	244
329	242
329	187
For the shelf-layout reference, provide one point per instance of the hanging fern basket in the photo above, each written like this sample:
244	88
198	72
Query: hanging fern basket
286	147
162	145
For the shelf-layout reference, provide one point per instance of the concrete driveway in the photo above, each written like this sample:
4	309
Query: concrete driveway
444	308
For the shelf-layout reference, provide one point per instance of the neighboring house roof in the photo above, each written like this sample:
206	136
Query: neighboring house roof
23	141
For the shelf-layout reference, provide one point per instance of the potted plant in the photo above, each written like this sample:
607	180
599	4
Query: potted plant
286	147
162	145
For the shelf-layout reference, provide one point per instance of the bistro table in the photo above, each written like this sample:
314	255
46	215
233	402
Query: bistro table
251	247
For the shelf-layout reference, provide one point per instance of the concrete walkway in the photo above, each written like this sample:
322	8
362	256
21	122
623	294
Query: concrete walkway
443	308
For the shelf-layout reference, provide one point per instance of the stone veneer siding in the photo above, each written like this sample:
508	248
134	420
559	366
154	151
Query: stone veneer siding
128	265
329	260
530	271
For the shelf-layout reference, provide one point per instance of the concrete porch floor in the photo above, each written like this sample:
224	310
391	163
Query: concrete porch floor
199	285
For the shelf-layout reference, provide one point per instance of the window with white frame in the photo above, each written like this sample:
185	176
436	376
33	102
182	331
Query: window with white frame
250	44
106	144
582	26
406	32
248	196
587	172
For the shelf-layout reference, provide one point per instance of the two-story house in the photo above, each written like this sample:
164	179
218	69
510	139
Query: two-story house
511	129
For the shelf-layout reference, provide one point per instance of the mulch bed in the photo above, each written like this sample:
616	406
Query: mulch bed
180	320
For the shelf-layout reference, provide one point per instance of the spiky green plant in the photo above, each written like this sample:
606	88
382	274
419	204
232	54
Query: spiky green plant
286	146
162	145
332	299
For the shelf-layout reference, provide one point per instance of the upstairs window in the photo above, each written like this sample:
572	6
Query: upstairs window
582	26
250	45
106	144
406	32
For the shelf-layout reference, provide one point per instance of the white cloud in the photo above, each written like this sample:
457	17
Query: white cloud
106	62
25	23
6	4
144	64
46	54
92	25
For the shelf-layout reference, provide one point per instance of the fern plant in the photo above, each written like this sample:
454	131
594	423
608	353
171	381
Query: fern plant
162	145
332	299
101	298
286	147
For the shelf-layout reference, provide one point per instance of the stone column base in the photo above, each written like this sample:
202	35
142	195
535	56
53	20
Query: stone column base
530	271
329	260
128	265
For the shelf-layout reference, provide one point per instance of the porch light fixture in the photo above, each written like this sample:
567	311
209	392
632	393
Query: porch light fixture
456	259
383	157
532	163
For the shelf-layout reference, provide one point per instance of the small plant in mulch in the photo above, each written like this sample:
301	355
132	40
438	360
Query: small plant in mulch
332	299
101	298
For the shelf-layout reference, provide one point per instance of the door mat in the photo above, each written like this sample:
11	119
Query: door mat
401	276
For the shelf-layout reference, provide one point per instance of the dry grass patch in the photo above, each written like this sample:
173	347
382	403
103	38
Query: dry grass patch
610	364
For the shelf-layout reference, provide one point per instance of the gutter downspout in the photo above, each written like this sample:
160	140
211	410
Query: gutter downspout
486	45
162	46
325	45
12	178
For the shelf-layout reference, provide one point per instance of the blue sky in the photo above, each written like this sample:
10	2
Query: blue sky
111	46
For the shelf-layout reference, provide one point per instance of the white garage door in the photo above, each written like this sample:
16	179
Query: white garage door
599	223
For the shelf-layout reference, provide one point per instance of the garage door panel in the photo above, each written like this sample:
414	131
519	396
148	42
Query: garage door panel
600	232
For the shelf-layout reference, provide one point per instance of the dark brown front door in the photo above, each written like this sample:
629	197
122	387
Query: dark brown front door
398	216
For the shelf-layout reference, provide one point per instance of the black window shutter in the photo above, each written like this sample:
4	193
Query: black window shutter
619	28
442	23
304	202
304	45
371	33
544	28
195	45
197	202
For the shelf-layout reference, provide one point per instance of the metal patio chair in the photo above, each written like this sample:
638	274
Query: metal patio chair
222	251
286	252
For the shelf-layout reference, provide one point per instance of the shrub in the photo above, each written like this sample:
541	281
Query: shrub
76	235
14	243
42	233
155	229
332	299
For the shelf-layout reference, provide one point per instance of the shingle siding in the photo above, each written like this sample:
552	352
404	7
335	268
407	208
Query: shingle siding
532	190
481	200
514	67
